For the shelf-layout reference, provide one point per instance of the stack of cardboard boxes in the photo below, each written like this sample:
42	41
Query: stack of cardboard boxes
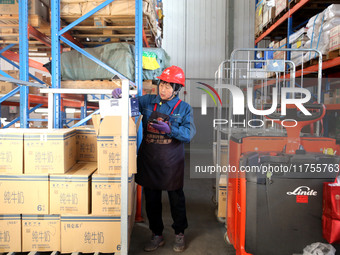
334	41
332	97
280	45
258	17
51	202
6	87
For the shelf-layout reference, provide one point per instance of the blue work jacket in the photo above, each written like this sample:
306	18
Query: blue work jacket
181	121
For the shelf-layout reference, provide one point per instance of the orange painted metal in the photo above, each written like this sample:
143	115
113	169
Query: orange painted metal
138	217
145	40
15	57
39	36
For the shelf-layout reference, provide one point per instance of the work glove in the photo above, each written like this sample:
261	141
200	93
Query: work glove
162	126
117	93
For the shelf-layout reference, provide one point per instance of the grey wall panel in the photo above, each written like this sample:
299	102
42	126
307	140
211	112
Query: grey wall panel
244	22
205	37
174	31
195	35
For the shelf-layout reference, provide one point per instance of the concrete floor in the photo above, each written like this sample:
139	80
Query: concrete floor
204	234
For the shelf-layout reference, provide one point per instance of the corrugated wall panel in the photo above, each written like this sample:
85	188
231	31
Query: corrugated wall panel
205	37
174	31
244	22
194	35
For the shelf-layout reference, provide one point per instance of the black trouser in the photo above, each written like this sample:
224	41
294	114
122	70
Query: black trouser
153	199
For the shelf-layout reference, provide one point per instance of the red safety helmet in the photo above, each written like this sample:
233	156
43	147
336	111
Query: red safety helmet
173	74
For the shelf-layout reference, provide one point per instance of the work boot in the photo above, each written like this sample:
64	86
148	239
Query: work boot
154	243
179	245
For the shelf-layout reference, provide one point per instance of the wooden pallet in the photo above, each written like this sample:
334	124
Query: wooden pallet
12	21
91	84
9	30
117	28
333	54
315	61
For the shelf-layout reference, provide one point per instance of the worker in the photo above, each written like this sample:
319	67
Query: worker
167	124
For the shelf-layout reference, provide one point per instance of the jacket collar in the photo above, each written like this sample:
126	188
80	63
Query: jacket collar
171	103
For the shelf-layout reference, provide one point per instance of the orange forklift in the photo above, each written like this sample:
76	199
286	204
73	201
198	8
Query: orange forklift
274	198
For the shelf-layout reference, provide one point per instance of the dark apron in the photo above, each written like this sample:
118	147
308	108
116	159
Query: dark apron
160	160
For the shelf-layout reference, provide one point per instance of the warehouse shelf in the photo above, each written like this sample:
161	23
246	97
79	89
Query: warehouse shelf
107	29
301	10
40	40
65	35
291	19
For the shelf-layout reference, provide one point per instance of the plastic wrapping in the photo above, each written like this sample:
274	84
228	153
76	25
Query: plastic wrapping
119	56
319	249
331	23
332	11
315	20
295	36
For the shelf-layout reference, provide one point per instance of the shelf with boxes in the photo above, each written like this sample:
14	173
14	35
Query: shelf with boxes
319	32
113	23
61	183
307	24
115	20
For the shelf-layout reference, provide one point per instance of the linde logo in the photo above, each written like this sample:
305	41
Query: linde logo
303	191
238	106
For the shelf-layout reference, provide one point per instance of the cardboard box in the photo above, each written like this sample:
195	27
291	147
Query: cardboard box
114	107
223	154
24	194
336	99
34	7
280	5
49	151
93	234
222	197
11	151
280	45
283	43
86	142
149	88
108	132
268	14
106	195
328	98
40	233
258	17
272	43
334	42
10	233
6	87
70	192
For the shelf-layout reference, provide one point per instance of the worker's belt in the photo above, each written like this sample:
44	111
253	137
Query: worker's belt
159	139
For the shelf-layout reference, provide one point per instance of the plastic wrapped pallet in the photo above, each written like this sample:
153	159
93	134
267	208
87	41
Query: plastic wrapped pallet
297	35
258	17
119	56
319	28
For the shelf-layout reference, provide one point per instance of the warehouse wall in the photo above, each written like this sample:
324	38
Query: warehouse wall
198	36
195	35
